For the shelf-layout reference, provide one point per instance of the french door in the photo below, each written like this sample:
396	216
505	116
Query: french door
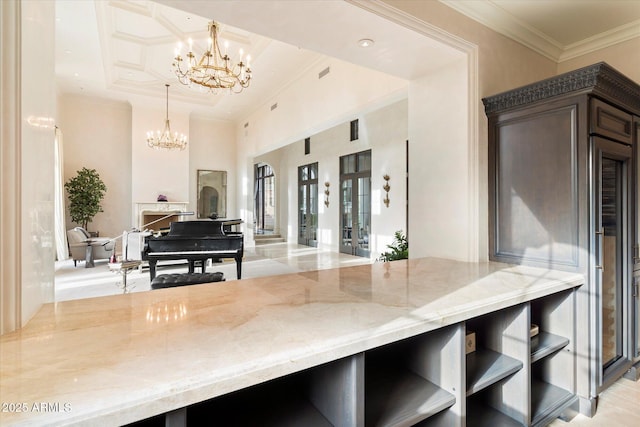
308	205
613	262
264	199
355	203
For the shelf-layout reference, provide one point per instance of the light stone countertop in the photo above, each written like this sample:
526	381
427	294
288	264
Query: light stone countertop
113	360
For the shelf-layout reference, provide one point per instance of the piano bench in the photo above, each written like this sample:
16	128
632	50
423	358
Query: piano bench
182	279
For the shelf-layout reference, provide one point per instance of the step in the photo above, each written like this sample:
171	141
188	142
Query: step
267	236
263	239
268	240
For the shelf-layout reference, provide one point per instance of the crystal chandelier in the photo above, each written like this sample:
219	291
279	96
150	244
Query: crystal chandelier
214	70
165	139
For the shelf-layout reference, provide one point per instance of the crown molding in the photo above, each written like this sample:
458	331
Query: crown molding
600	79
602	40
490	15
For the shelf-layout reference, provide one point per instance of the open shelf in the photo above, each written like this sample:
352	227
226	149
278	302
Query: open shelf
548	401
486	367
271	404
427	380
545	344
398	397
479	415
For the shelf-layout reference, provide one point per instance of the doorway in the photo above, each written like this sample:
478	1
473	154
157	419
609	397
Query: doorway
265	209
613	258
308	205
355	203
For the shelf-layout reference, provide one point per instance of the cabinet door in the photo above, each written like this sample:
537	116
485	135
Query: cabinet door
611	122
613	207
533	163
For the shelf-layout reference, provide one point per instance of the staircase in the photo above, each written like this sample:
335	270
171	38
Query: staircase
265	239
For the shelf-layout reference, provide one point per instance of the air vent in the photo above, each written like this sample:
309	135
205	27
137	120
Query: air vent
323	73
274	106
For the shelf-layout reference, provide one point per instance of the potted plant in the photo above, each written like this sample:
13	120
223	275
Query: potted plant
399	248
86	191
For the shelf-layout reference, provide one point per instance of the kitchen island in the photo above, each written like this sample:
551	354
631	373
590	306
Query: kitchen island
331	338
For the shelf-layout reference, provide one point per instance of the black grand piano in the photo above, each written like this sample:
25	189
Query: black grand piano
195	241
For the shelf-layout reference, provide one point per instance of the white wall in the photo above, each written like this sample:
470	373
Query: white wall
383	131
440	168
37	167
306	107
155	172
443	199
109	136
212	147
97	135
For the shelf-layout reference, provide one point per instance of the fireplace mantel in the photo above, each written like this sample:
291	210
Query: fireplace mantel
155	209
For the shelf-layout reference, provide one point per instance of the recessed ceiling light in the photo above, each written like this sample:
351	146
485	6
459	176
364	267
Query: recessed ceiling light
365	42
67	51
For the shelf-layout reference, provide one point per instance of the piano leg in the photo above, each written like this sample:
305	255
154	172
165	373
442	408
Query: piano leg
191	266
239	267
152	269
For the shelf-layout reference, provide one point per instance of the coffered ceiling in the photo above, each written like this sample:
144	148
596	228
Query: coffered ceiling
123	49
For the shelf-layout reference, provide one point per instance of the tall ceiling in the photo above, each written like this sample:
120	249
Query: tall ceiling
123	49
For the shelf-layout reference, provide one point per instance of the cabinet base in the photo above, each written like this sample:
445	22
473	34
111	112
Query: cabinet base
587	406
633	373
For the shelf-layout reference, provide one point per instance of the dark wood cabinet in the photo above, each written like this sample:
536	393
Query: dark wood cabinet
611	122
563	194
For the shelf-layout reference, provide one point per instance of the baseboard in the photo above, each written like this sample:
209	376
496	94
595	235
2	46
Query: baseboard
633	373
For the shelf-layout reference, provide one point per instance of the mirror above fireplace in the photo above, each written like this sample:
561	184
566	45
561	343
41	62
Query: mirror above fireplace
212	194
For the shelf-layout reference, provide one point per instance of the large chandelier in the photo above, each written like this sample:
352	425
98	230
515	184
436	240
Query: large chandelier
214	70
165	139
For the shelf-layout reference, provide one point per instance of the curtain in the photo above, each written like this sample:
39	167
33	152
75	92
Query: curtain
60	230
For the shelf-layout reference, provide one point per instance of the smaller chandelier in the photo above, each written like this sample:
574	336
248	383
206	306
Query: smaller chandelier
164	139
213	70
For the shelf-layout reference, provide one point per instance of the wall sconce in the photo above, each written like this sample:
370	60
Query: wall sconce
386	188
326	194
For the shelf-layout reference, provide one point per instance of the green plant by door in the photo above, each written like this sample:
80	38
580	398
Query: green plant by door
399	249
86	191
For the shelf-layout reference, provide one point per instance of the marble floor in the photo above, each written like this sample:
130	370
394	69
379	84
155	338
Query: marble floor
263	260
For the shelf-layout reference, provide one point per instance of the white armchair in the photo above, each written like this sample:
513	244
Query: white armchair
83	247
